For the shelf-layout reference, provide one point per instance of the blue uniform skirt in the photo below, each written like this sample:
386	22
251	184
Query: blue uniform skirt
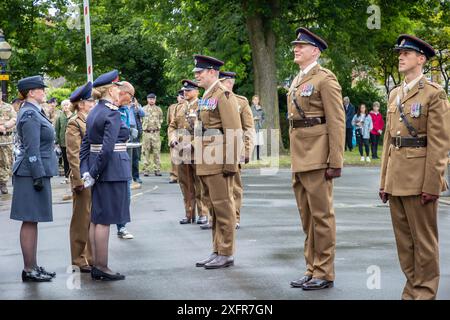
31	205
110	204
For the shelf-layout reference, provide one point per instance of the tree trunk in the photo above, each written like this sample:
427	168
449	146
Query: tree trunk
263	44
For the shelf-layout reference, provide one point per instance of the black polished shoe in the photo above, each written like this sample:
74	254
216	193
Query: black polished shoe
202	220
97	274
206	226
45	272
173	181
220	262
300	282
35	276
317	284
158	174
187	220
205	261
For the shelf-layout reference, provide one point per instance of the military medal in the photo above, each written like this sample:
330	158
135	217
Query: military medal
207	104
306	90
416	109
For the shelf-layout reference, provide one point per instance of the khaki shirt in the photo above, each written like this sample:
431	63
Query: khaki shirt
411	171
153	118
248	125
318	93
76	129
223	114
7	116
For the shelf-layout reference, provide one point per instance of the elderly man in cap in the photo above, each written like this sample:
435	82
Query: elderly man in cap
217	158
316	132
414	158
170	115
7	125
181	137
248	127
151	139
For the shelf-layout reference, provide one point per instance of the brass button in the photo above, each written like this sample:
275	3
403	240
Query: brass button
398	132
400	119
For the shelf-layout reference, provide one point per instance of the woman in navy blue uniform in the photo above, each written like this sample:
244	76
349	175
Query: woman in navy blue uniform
35	164
105	165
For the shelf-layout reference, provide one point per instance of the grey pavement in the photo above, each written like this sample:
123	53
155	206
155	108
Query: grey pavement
160	262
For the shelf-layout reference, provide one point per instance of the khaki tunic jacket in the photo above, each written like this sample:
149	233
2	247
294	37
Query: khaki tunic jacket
411	171
321	146
76	129
224	116
248	126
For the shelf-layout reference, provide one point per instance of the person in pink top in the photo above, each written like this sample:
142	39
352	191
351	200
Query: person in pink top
378	126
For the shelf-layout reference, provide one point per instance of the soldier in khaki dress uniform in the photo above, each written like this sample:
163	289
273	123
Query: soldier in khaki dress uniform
216	158
181	136
80	246
248	127
316	131
414	158
151	138
7	123
170	114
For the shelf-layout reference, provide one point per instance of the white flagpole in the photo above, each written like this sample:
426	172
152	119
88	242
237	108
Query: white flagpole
88	41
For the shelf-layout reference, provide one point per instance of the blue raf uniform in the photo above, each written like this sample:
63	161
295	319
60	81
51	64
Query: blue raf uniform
104	156
36	162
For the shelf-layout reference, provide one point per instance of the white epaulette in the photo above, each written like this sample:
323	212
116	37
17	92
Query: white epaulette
111	106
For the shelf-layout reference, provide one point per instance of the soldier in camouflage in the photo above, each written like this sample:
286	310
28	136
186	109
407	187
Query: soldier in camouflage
7	124
151	139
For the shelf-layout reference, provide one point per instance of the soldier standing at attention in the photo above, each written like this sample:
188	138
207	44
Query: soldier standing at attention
414	158
248	127
181	137
80	247
170	115
151	140
7	124
316	132
218	114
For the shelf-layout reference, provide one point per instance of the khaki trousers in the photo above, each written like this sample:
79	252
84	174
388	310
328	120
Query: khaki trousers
416	235
191	189
314	195
238	191
219	192
80	246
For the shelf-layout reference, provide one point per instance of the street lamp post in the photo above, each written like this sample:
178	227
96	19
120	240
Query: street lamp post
5	54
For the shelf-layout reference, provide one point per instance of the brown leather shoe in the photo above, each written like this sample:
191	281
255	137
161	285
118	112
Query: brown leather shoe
205	261
300	282
317	284
220	262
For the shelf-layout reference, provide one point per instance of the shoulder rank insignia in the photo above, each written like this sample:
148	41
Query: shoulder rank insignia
32	159
443	95
306	90
416	110
111	106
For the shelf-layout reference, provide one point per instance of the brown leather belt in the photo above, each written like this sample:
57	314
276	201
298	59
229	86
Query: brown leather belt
409	142
5	134
151	130
307	122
